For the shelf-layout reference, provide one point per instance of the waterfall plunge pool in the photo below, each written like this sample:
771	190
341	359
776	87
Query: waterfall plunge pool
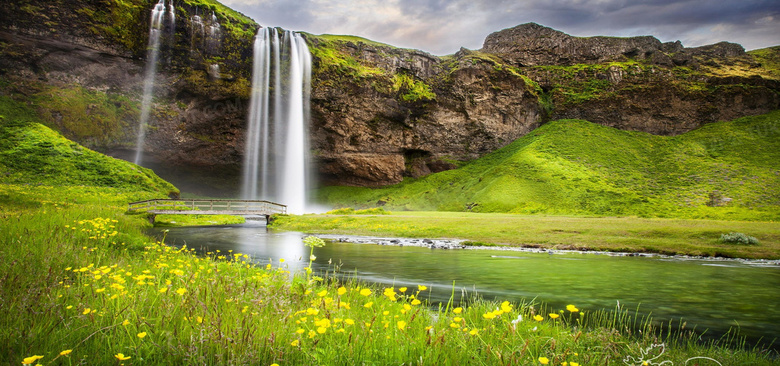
711	295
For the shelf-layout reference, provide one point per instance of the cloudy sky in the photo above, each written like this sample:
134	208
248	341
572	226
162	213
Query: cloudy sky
443	26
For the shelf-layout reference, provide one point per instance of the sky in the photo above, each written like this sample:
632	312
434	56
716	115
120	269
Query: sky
441	27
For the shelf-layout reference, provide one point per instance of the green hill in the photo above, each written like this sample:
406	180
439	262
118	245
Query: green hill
726	170
31	153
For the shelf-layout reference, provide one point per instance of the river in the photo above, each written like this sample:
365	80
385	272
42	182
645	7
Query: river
712	295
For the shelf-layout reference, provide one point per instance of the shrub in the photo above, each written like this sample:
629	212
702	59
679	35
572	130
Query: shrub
738	238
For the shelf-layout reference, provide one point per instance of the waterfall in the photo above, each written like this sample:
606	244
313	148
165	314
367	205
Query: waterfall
153	50
275	156
172	15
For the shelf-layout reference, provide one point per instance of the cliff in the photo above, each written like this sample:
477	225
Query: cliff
379	113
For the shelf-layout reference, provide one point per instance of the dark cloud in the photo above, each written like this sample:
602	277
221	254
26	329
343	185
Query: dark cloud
443	26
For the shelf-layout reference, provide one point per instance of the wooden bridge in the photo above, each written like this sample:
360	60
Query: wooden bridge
207	207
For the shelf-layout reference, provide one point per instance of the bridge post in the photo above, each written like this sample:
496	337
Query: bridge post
151	218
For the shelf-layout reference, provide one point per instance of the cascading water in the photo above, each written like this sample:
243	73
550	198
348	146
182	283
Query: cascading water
153	50
172	16
275	159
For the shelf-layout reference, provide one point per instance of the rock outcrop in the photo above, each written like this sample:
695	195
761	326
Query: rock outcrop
532	44
379	113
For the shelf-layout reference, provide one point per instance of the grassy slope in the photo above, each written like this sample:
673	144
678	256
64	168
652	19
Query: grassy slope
576	167
33	153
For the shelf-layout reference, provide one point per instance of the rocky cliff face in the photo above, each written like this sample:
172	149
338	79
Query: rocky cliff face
379	113
396	113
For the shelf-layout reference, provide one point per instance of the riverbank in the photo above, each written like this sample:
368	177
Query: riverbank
458	244
609	234
80	283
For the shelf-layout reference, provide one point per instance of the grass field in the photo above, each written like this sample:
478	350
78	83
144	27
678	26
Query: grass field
81	283
625	234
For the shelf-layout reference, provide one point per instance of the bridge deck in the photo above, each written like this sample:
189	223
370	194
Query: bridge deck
207	207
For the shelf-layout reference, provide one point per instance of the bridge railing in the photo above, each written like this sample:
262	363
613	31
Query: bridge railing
260	207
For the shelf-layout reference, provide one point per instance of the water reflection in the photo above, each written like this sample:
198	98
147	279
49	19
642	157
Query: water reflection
712	295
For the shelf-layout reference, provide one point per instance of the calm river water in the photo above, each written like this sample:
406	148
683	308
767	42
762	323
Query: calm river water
707	294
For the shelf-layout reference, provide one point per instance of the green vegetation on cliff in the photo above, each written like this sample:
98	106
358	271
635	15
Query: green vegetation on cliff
412	90
33	153
724	170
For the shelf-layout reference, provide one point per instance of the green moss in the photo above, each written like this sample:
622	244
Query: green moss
120	21
329	58
236	24
200	83
769	58
411	89
92	117
346	38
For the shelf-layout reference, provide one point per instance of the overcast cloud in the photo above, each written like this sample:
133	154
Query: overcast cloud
442	27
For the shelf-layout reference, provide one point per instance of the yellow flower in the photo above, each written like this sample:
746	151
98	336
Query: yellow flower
141	335
572	308
474	332
126	322
66	352
401	324
31	359
322	293
121	357
402	289
506	307
390	293
163	290
86	311
416	302
368	304
365	292
544	360
299	331
322	330
274	364
181	291
489	315
422	287
457	310
281	260
342	290
538	318
294	343
454	325
574	364
457	319
553	316
349	321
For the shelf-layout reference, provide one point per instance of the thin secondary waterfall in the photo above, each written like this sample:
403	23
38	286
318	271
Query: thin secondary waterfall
153	50
275	156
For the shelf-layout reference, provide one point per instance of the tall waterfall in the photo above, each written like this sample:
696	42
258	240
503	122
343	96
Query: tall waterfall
153	50
275	156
